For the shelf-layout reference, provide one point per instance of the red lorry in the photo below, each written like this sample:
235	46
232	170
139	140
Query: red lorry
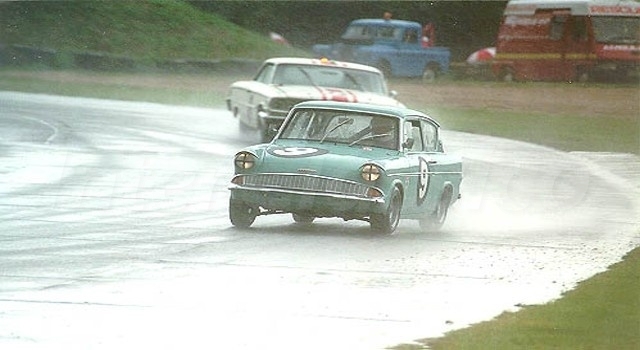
568	40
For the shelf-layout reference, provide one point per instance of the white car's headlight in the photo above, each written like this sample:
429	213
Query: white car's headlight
244	160
370	172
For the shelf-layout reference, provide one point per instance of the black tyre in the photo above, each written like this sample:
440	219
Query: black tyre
388	222
435	220
582	75
241	215
430	74
508	75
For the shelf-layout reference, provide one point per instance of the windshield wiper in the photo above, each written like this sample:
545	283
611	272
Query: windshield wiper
344	122
354	81
368	137
308	76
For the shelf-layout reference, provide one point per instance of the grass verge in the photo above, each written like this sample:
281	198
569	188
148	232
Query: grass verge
603	312
568	133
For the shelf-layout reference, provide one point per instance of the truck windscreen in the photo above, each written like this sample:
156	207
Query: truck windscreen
616	30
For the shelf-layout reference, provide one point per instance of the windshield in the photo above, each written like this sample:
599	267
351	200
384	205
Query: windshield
339	126
330	76
358	32
368	32
617	30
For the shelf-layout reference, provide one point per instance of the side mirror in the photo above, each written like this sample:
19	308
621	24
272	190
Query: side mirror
440	146
393	93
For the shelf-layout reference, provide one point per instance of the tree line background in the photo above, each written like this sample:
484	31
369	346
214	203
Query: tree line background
463	26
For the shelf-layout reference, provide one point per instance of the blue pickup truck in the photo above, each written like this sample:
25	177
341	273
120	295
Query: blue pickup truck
395	47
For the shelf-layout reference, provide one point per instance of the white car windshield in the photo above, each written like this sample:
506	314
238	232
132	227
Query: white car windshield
329	76
337	126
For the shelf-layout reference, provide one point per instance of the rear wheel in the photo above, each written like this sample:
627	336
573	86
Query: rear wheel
434	221
582	75
386	223
241	215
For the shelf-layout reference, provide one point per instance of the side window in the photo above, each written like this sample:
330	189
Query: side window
385	32
412	131
368	32
430	137
264	75
358	32
557	27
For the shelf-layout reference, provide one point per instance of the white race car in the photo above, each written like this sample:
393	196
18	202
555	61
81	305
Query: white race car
263	103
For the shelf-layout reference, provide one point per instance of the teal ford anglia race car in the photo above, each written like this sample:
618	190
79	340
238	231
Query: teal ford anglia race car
348	160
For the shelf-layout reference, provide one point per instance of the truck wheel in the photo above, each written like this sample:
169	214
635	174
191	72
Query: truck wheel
241	215
430	74
508	75
582	75
386	223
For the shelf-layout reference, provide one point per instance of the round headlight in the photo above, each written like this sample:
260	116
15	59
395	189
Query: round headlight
244	160
370	172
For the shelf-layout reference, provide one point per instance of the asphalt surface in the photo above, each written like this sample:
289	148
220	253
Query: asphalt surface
114	233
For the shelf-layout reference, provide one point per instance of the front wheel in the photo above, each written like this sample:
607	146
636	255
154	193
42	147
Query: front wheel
241	215
386	223
302	219
508	75
265	135
434	221
429	75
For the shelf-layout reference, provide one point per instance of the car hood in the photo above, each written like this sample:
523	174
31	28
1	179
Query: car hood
322	159
335	94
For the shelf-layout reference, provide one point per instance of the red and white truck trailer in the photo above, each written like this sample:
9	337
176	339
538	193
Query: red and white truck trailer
568	40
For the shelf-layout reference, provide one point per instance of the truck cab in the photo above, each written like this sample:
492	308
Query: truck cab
396	47
568	40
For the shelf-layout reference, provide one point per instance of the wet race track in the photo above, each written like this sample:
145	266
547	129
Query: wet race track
114	233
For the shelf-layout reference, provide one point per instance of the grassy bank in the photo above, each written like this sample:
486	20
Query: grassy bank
146	30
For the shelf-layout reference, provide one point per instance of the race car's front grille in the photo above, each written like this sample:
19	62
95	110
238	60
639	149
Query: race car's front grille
308	183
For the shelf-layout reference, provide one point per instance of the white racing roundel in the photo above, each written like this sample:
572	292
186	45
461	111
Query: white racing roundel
295	152
423	180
